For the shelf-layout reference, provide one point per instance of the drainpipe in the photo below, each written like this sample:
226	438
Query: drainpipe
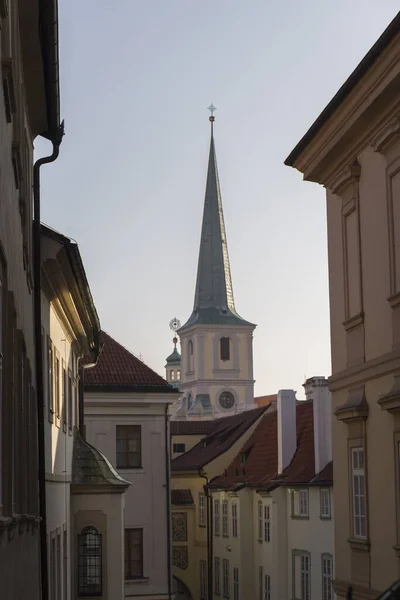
210	533
37	317
168	491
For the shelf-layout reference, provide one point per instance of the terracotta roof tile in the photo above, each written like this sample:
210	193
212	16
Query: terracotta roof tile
117	369
181	497
226	432
192	427
265	400
256	465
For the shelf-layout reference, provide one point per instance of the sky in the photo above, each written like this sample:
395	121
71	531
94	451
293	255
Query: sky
128	186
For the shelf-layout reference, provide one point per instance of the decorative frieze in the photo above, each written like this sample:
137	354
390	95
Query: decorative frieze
179	527
180	557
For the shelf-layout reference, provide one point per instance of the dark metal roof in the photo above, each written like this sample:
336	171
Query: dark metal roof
214	301
91	467
181	498
388	35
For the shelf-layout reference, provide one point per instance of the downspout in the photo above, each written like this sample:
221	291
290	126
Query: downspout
168	492
37	316
210	532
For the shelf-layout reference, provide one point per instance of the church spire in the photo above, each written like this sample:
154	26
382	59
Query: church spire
214	301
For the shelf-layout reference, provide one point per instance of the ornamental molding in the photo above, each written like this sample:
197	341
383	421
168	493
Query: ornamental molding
388	136
179	527
180	557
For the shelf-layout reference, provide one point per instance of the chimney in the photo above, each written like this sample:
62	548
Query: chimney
287	439
316	389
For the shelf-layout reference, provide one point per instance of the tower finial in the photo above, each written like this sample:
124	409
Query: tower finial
212	109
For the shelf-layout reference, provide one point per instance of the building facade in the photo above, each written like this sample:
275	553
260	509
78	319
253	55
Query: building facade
127	418
353	150
216	343
29	106
272	507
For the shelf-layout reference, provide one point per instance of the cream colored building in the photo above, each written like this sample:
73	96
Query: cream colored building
85	498
272	507
353	150
216	370
29	106
218	443
127	418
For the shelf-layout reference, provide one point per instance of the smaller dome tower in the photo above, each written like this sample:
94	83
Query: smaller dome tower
173	361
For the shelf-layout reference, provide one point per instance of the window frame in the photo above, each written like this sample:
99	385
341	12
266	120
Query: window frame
325	504
260	520
203	580
225	349
217	575
225	518
298	505
128	550
234	512
225	578
260	583
175	448
236	583
125	465
359	473
50	379
56	380
326	578
304	575
267	587
64	395
267	523
95	589
70	402
217	517
202	510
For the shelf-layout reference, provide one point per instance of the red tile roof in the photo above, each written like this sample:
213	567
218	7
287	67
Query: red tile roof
119	370
256	465
226	432
265	400
192	427
181	497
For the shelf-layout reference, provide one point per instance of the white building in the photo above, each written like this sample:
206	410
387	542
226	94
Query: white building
84	496
126	417
272	508
216	370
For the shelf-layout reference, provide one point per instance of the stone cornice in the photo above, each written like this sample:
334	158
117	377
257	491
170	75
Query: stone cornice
388	136
391	400
347	176
355	408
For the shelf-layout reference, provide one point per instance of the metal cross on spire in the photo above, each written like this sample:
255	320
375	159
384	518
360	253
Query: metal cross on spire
212	109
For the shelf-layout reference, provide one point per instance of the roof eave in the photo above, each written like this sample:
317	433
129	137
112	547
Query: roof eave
48	28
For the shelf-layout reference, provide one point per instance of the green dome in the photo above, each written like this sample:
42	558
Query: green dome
174	358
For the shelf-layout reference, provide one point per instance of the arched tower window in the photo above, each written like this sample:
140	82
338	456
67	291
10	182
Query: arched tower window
90	559
172	375
190	355
178	375
189	400
224	348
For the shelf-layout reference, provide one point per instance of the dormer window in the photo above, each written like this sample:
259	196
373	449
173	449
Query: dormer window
224	348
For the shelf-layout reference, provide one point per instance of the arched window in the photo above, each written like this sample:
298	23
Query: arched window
224	347
178	375
89	562
190	356
190	348
172	375
189	400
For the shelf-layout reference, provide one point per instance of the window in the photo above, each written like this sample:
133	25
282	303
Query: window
226	400
89	562
358	485
325	503
234	520
217	575
172	375
202	510
57	383
217	517
190	348
267	523
267	587
235	583
225	578
260	521
64	386
301	575
178	375
327	563
129	446
178	448
50	381
224	348
225	530
70	400
260	583
203	580
58	565
133	553
300	503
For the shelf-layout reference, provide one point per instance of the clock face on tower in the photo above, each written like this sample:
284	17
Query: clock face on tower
226	400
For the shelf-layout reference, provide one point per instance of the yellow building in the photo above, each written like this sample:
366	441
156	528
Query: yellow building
209	447
353	150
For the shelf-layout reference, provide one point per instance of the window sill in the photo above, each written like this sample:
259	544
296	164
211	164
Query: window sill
322	518
203	526
128	468
360	544
300	517
130	580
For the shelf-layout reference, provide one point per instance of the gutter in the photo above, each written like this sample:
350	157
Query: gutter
37	317
168	492
210	533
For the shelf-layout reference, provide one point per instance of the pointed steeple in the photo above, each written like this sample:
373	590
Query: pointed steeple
214	301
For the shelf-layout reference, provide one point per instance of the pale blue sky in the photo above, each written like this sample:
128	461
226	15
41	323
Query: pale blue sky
136	78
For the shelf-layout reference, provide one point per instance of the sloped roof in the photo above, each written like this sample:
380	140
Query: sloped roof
181	497
192	427
265	400
119	370
226	432
256	465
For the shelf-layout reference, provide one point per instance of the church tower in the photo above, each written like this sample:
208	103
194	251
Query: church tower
216	343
